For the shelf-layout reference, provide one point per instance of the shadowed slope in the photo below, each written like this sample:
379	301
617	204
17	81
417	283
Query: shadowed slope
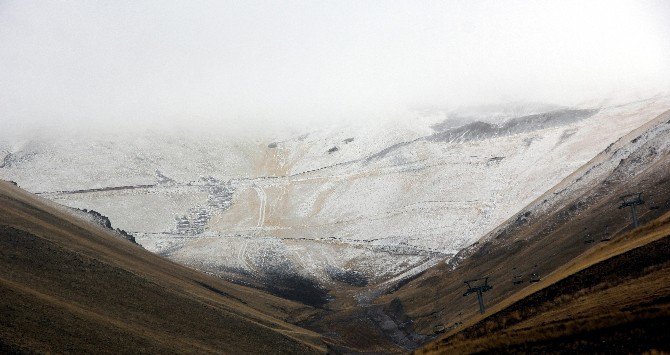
70	286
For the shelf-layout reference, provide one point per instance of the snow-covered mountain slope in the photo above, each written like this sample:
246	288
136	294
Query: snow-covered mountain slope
356	205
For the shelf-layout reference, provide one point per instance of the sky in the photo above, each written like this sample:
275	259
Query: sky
252	66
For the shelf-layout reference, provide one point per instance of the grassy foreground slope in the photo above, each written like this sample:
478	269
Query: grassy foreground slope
613	298
70	286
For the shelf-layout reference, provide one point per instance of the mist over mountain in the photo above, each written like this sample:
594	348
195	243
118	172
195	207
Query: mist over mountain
330	176
378	202
255	68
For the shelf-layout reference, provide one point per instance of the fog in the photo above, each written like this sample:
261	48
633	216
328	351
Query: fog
259	66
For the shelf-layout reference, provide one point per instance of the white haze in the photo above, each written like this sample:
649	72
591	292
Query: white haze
259	66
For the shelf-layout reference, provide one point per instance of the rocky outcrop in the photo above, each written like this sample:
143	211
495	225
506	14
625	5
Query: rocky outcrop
479	130
104	221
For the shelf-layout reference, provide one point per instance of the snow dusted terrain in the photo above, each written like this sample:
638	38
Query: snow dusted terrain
356	205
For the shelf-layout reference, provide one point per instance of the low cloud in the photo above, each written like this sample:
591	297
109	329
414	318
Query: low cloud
258	66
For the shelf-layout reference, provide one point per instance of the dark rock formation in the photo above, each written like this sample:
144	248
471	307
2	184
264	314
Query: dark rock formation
483	130
104	221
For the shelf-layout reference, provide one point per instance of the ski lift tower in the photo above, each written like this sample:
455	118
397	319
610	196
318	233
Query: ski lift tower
479	286
631	201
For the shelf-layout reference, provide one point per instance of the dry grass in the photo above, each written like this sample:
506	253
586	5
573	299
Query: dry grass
614	298
70	286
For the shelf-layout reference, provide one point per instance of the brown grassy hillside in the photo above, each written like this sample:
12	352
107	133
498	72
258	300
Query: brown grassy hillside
614	298
70	286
